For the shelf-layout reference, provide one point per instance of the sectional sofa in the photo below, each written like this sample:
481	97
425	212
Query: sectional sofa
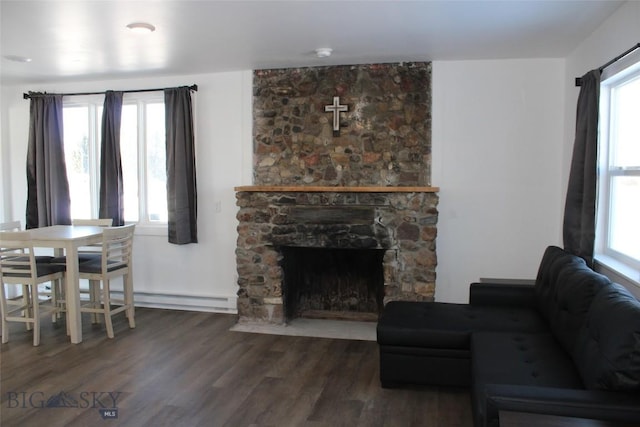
568	344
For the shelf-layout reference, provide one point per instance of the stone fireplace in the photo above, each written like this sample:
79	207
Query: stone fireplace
338	223
400	222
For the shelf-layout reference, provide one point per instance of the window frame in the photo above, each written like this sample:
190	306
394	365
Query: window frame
95	104
618	75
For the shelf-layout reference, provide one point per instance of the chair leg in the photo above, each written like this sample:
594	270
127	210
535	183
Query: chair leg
55	300
36	315
106	302
58	301
128	299
66	318
4	310
62	298
94	296
28	311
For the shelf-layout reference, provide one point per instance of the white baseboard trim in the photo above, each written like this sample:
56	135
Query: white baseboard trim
212	304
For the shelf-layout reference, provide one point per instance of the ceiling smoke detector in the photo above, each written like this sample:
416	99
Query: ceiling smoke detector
141	27
324	52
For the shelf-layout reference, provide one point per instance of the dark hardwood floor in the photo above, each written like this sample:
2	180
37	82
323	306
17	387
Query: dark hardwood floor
182	368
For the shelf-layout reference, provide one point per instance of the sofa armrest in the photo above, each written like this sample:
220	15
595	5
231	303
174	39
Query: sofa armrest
620	407
484	293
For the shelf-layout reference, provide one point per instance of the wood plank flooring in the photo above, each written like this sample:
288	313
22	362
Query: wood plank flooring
182	368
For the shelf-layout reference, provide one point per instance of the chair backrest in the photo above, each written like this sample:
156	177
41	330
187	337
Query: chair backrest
117	247
16	255
100	222
10	226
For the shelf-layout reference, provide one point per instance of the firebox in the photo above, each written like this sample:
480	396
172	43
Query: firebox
331	283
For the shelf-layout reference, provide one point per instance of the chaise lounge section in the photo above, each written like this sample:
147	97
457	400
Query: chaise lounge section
567	345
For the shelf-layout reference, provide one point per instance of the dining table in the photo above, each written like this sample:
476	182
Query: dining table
65	240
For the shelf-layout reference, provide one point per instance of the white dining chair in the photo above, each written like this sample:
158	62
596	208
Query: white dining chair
10	226
88	253
44	291
115	261
18	267
100	222
17	226
85	254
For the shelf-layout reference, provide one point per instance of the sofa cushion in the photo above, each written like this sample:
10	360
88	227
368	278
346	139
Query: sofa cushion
523	359
554	260
447	325
607	352
518	359
419	365
574	293
565	288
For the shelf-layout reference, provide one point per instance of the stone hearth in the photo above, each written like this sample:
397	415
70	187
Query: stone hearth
400	221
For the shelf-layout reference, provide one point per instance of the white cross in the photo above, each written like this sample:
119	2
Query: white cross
336	108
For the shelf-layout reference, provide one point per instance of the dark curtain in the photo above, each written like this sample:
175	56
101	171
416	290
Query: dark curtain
48	201
580	207
111	192
181	166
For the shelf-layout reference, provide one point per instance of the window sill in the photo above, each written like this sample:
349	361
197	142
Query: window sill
151	230
617	271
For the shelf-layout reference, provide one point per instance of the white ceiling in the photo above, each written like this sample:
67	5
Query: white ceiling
73	40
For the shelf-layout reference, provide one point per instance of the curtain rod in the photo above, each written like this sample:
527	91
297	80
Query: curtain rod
616	59
192	87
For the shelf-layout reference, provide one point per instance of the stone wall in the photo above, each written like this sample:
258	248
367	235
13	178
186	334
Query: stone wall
385	136
404	224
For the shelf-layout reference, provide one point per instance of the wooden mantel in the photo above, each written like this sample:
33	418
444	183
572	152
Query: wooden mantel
332	189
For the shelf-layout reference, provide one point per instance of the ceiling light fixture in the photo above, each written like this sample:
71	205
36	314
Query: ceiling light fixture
324	52
141	27
17	58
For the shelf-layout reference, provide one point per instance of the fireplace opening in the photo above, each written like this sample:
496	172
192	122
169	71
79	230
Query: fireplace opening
328	283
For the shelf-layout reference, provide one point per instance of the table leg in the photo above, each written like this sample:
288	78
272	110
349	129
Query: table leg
74	320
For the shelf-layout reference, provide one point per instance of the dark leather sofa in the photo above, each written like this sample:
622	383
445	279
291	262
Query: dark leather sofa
567	345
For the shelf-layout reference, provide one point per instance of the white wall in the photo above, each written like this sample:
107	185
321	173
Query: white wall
497	152
502	140
4	154
198	276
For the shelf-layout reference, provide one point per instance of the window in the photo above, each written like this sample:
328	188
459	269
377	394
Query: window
142	147
618	226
